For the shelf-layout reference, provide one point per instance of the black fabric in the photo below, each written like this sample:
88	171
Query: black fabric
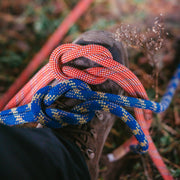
39	154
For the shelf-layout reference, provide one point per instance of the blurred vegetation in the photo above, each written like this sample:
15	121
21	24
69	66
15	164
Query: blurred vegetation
26	25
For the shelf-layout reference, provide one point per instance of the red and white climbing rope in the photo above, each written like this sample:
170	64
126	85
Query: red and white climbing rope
57	69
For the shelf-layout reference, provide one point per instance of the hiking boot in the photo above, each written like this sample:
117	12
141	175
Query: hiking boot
91	137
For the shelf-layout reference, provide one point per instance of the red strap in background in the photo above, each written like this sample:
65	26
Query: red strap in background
45	51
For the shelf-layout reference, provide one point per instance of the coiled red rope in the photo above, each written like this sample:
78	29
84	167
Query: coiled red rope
57	69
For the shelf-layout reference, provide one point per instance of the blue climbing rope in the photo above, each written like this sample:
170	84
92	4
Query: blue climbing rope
38	110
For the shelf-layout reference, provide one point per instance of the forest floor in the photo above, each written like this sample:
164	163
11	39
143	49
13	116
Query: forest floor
26	25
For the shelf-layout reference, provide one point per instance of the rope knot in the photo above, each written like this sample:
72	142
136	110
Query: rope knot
69	52
47	96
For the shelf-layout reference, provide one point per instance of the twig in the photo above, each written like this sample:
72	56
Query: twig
156	82
145	169
170	129
168	161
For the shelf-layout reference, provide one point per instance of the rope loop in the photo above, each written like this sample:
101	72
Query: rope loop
83	112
